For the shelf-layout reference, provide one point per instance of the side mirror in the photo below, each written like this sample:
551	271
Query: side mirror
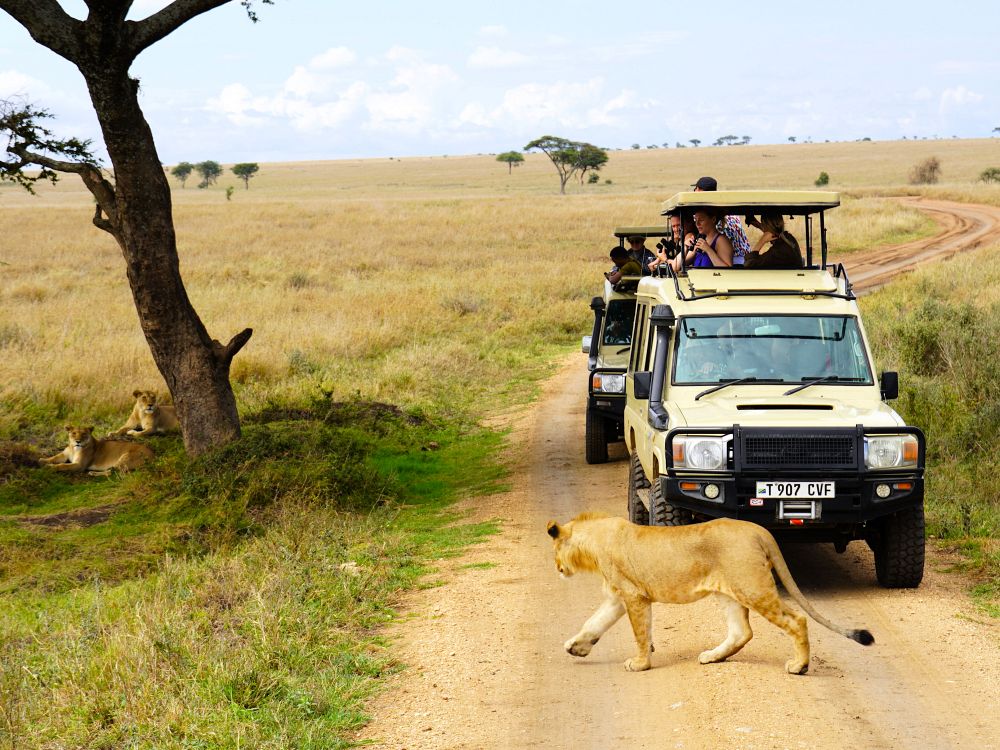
889	384
640	384
585	344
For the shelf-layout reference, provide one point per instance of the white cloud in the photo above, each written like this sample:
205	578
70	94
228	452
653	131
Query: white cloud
14	83
494	57
959	97
335	57
495	31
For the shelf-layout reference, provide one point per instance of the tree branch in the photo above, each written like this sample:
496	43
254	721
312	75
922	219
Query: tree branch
48	24
236	343
152	29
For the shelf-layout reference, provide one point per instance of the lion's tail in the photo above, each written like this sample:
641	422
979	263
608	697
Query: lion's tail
864	637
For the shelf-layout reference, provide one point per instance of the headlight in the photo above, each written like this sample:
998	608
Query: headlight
604	382
700	453
891	451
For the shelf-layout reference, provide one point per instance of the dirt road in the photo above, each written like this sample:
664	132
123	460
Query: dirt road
486	668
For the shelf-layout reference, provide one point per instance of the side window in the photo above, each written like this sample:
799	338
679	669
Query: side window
650	345
638	338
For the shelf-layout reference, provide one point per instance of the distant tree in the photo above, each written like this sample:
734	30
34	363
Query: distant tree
245	171
791	139
866	138
823	179
695	142
990	175
926	172
568	157
745	140
996	130
666	145
182	171
652	145
591	158
681	145
636	146
593	179
210	171
511	159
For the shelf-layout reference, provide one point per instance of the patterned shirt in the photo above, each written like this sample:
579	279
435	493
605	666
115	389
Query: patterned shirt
731	227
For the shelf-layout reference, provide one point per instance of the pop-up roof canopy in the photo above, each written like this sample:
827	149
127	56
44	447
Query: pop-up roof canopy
741	202
625	232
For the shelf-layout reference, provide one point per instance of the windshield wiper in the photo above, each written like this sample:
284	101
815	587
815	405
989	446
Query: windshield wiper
824	379
726	384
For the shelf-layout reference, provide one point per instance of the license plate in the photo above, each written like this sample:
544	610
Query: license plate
796	490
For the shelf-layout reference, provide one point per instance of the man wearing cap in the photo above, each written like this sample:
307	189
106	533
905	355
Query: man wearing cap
728	225
638	250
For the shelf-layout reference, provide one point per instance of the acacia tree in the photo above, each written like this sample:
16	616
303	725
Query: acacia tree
245	170
511	159
210	171
134	206
591	159
567	156
182	171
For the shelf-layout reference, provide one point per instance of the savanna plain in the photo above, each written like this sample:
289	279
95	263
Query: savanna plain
402	310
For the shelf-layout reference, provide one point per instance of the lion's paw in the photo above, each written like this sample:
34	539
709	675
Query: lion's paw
793	666
636	664
709	657
579	648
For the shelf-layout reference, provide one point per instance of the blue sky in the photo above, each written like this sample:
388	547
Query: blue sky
318	79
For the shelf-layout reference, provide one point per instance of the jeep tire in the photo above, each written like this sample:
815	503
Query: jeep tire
638	489
596	439
664	513
899	549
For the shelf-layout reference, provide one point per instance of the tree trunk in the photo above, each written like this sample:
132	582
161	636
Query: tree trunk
194	366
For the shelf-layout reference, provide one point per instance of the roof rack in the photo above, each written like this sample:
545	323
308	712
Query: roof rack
804	282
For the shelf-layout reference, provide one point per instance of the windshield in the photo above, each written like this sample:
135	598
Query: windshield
776	348
618	322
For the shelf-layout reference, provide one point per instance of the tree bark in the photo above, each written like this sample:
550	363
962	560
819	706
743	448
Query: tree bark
194	366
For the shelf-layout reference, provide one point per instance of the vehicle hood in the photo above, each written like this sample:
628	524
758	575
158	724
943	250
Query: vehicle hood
829	409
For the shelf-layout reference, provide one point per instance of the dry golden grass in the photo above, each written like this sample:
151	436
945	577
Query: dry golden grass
407	281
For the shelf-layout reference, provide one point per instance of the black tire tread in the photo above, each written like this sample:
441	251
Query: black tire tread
596	439
899	552
637	512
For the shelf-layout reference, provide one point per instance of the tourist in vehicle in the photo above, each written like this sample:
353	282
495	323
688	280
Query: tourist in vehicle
728	225
675	241
783	250
625	265
711	248
638	250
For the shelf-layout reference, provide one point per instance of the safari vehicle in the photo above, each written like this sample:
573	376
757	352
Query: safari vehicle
608	347
751	394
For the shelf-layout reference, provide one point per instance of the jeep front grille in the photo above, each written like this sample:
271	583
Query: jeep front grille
801	450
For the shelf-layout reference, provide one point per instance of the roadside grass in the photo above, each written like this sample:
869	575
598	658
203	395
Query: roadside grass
250	584
940	326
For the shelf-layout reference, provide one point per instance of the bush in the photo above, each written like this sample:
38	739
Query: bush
926	172
823	179
594	178
990	175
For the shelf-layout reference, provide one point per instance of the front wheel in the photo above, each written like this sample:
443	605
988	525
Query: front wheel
638	491
664	513
596	438
899	550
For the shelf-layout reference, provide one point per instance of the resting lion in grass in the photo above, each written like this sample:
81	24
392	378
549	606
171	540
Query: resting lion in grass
95	456
730	559
148	416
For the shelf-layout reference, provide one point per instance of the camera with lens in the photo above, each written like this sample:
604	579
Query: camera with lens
667	246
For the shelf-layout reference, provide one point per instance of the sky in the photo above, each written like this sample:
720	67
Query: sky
324	79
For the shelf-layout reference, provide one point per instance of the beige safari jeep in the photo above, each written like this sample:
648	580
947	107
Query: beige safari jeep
608	348
752	394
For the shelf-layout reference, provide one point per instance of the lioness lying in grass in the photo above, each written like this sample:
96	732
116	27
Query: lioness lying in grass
680	564
95	456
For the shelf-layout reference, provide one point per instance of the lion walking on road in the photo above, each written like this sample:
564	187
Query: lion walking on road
729	559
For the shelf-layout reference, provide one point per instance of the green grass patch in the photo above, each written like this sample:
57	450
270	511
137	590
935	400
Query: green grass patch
233	600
